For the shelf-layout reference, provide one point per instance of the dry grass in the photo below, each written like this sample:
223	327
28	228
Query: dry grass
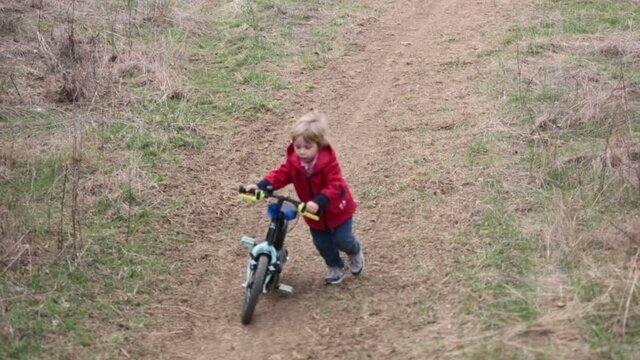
72	66
580	98
55	55
594	258
15	252
67	67
618	45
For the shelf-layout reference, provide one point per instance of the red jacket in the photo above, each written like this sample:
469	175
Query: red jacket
324	185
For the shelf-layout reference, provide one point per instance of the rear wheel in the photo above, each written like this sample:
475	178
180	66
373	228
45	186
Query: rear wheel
254	289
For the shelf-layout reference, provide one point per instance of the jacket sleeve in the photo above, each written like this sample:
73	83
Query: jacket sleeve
335	188
277	178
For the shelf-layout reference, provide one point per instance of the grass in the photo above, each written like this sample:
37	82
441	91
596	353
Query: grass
63	295
545	94
587	17
222	73
35	118
66	301
373	192
576	17
498	275
475	150
259	37
28	188
612	68
487	352
574	195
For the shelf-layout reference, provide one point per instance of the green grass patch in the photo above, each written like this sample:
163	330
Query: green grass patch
635	127
235	81
569	176
264	80
31	195
475	151
373	193
488	53
518	33
311	61
601	336
162	129
612	68
619	69
41	117
62	298
588	17
588	290
527	96
61	301
500	275
570	18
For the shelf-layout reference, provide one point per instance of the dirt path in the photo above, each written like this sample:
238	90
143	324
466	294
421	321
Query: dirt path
402	109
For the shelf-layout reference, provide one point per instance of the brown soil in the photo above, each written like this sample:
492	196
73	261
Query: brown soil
403	108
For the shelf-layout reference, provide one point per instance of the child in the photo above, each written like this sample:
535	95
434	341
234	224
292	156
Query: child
313	168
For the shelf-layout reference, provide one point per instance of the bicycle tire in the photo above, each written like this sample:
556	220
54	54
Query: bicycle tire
255	289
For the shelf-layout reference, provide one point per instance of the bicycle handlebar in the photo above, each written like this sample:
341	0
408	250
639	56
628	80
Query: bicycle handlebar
257	195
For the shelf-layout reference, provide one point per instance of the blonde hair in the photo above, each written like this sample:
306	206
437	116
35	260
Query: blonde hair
312	126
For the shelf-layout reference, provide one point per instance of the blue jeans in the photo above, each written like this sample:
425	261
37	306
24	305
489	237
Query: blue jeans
330	242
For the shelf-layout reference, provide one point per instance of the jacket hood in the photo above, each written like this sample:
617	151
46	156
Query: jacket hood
326	155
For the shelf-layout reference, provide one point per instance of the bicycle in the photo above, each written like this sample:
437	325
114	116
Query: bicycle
267	258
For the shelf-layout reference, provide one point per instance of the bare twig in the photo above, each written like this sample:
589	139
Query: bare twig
129	201
24	248
75	162
624	232
631	291
71	30
130	5
39	16
16	87
519	74
548	245
44	47
64	190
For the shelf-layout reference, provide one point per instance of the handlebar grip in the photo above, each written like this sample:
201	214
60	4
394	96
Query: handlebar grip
247	197
302	210
311	216
254	195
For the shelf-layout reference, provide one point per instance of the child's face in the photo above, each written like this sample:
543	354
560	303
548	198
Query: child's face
306	150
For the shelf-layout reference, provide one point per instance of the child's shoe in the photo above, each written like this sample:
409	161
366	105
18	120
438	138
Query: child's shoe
356	263
334	275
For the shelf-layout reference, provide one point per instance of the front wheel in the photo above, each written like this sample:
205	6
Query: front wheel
254	289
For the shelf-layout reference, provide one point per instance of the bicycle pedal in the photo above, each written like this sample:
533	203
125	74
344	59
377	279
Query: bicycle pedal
285	289
247	242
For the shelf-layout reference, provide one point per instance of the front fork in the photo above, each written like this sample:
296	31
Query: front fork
258	250
276	262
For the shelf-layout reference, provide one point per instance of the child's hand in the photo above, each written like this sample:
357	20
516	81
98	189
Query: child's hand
312	207
251	187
